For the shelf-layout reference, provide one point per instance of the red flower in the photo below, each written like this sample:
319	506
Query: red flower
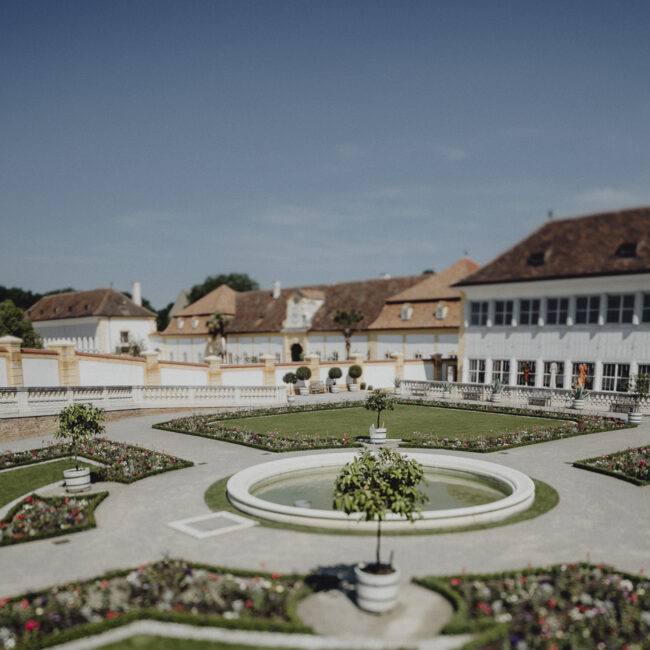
32	625
456	581
28	499
275	575
111	614
249	603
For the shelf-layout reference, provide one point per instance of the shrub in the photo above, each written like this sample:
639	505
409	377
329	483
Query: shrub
78	422
363	385
290	378
497	386
335	373
355	372
303	373
379	401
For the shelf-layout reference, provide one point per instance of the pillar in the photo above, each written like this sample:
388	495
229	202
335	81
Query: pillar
269	369
215	377
313	363
398	358
151	369
13	360
68	363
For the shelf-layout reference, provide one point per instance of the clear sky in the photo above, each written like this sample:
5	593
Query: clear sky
306	141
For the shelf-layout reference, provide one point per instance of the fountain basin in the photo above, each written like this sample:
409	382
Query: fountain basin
519	492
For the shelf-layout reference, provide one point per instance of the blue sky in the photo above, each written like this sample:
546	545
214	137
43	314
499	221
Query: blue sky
309	142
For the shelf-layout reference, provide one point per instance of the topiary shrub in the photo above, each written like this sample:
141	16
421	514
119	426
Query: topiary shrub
379	401
334	374
77	423
303	373
355	372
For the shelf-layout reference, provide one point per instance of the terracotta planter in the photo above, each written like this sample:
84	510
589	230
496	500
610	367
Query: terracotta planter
376	592
77	480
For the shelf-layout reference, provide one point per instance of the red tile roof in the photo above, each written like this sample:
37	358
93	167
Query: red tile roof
611	243
76	304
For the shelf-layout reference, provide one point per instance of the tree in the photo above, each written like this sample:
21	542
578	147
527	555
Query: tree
25	299
347	320
14	323
375	484
379	401
78	422
217	329
236	281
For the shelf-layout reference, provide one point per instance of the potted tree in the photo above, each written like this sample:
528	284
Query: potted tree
579	395
379	401
303	374
348	320
497	387
398	385
334	374
375	484
446	390
77	423
290	379
639	386
355	372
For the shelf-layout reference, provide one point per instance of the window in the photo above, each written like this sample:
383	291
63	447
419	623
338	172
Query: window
615	376
555	374
195	323
179	323
536	259
587	308
645	316
477	371
407	312
501	370
528	312
620	308
525	373
441	311
557	311
124	336
588	373
626	249
503	312
478	313
643	369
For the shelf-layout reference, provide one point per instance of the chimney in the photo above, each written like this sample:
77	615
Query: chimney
276	289
136	292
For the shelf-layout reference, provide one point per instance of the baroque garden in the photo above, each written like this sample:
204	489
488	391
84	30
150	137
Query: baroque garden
202	525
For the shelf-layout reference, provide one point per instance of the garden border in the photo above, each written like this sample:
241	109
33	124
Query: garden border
584	464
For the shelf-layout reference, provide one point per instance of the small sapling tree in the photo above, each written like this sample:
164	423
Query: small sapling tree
77	423
379	401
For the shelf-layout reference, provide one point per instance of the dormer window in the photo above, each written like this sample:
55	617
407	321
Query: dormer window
195	323
407	312
626	249
536	259
180	323
441	311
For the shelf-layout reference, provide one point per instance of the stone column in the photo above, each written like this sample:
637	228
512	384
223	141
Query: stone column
13	360
398	357
151	369
215	374
68	363
313	363
269	369
488	371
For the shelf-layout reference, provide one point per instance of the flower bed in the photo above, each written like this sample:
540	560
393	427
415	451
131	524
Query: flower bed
632	464
169	590
121	462
212	426
38	517
567	606
569	425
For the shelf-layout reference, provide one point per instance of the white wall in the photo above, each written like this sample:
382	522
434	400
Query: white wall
139	329
358	343
378	375
418	344
245	377
101	373
174	376
3	373
418	371
447	345
40	372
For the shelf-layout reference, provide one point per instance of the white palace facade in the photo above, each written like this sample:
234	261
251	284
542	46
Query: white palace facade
575	292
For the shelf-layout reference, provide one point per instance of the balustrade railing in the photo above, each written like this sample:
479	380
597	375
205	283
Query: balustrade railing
22	402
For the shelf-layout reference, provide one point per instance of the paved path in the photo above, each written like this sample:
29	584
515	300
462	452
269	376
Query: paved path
598	518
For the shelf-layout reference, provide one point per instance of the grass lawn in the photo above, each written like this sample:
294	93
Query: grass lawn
401	422
22	480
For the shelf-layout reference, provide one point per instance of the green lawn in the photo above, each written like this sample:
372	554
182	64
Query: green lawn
401	422
22	480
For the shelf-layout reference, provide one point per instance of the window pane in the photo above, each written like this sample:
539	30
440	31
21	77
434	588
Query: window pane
646	308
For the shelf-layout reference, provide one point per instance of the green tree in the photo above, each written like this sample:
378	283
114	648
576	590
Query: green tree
14	323
78	422
236	281
217	329
376	483
25	299
380	401
348	320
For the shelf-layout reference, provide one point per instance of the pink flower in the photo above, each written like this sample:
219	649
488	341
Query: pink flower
32	625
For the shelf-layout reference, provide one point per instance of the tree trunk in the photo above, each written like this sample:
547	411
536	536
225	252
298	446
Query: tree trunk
378	543
347	348
378	414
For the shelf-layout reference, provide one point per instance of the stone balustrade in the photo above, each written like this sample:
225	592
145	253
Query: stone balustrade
36	401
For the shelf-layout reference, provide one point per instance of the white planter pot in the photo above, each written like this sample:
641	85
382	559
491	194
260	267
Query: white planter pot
334	388
353	387
291	399
376	592
495	397
578	404
77	480
446	394
304	390
398	390
634	417
377	435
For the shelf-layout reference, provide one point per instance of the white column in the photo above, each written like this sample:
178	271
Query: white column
488	370
598	375
568	366
465	371
539	373
512	380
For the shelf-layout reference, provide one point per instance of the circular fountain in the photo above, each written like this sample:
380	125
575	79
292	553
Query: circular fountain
462	492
